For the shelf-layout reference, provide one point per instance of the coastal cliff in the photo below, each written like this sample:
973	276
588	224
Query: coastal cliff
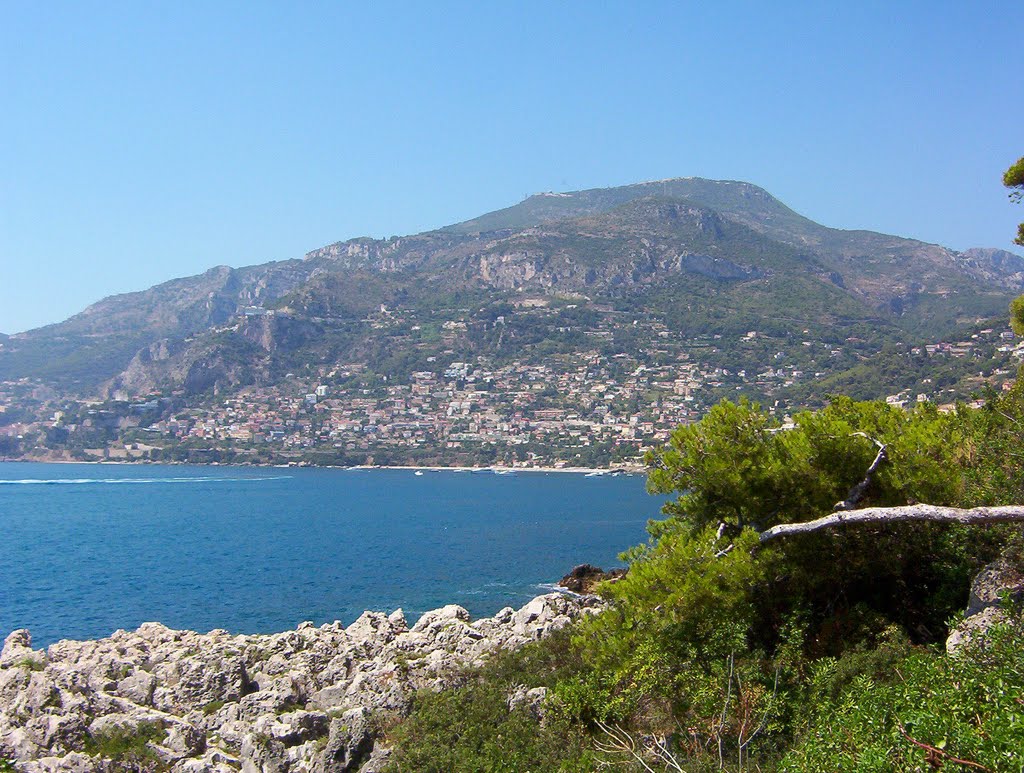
309	700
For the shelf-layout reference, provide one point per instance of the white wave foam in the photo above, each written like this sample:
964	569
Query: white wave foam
550	587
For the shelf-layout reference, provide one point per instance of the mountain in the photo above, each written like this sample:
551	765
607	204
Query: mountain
699	255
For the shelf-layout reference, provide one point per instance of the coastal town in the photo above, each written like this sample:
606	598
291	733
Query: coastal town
586	408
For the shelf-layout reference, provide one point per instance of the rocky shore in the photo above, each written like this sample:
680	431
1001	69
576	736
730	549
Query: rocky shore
305	701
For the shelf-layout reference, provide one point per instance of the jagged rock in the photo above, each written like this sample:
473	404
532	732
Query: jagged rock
301	701
76	762
294	728
213	761
61	733
185	740
397	620
377	760
261	754
532	699
349	744
543	615
18	649
373	629
439	618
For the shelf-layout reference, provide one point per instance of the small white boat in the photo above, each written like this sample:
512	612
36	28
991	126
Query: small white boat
418	472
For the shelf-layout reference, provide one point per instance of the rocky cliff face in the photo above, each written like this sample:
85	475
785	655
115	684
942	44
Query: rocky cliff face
995	265
303	701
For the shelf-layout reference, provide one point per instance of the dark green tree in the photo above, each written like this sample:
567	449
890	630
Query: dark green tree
1013	179
739	467
1017	312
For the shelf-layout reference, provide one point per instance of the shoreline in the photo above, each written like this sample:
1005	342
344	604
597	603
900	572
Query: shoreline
493	469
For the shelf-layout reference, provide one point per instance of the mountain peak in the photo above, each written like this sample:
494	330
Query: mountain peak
728	196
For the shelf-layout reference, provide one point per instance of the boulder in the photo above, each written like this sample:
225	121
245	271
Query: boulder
138	688
397	620
998	582
998	579
531	699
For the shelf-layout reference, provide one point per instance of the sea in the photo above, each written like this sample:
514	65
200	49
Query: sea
86	549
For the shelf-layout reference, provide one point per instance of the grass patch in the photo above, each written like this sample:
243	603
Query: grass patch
128	746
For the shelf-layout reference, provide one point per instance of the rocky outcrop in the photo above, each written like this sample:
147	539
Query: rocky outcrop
583	578
302	701
998	586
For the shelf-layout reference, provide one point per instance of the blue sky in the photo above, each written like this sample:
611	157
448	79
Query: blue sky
145	141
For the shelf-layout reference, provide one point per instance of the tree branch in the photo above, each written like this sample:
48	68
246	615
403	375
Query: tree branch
936	756
891	515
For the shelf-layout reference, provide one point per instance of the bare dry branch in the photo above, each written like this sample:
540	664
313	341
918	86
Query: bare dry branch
619	741
894	515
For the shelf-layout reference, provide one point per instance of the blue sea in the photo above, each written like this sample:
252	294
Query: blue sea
87	549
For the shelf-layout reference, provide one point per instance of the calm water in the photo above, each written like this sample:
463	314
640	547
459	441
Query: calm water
87	549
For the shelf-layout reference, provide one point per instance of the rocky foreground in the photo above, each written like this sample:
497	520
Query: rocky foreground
302	701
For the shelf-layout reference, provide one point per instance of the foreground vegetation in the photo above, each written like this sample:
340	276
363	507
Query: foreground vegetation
813	652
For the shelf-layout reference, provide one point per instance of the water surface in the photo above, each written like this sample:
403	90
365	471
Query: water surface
88	548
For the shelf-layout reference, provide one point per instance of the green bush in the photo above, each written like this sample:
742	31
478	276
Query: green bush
472	729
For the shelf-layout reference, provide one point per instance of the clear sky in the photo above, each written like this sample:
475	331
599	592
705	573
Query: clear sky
144	141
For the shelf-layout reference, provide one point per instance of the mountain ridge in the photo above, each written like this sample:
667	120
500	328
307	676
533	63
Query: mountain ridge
729	240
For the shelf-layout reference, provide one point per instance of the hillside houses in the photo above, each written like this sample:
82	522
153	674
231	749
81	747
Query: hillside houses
586	404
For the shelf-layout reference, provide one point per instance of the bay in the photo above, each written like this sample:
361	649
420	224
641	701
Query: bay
87	549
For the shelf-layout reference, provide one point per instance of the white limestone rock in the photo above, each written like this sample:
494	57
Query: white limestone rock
985	606
299	701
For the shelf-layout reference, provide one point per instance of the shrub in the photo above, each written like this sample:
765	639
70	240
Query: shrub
472	729
212	707
968	707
